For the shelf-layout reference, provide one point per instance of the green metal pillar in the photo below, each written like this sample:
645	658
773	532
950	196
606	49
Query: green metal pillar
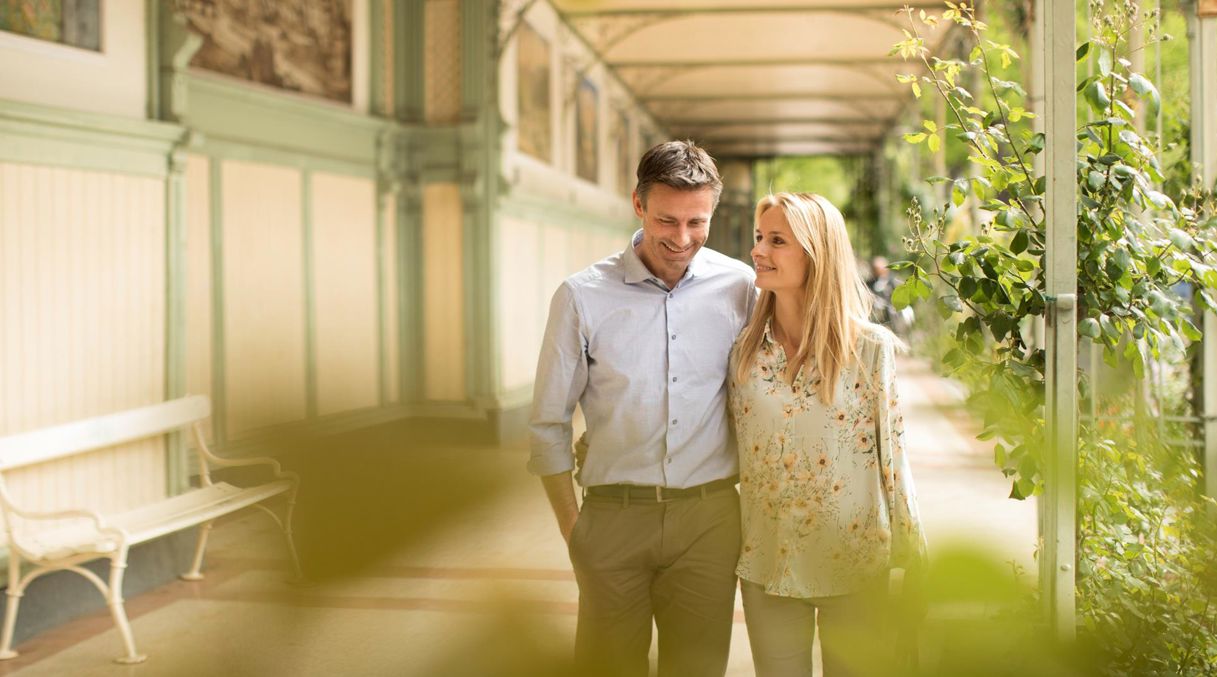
1202	42
1059	502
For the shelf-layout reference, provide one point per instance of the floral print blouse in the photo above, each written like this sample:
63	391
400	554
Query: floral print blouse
826	497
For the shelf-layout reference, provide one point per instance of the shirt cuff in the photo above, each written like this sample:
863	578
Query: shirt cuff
550	464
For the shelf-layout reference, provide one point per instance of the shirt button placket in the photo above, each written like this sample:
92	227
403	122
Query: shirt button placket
668	316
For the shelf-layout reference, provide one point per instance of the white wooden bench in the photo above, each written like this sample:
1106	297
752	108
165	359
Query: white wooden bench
65	539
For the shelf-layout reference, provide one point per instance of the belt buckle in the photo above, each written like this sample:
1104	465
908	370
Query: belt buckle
659	495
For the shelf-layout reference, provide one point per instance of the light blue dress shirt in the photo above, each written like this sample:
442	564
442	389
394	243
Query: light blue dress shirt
648	364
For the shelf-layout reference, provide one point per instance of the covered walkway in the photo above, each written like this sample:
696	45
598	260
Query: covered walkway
441	599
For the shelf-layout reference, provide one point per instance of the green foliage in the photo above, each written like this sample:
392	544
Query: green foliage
1147	580
830	176
1146	589
1135	243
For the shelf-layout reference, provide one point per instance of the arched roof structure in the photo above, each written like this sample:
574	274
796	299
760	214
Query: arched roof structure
759	78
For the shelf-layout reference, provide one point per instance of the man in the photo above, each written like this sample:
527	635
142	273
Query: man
882	283
641	340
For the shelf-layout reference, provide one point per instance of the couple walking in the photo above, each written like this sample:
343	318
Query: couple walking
691	381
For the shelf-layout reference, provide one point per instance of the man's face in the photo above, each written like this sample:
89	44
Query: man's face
675	224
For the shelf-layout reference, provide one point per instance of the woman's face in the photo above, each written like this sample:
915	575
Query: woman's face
781	263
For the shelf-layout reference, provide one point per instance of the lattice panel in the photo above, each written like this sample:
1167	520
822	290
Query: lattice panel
442	77
387	70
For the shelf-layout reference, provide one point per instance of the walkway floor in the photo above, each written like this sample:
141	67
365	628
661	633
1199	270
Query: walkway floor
461	587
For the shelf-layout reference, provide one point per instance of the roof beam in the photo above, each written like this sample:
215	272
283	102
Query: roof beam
739	140
842	8
747	63
694	123
787	96
721	154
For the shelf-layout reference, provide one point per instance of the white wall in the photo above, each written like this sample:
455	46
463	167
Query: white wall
112	81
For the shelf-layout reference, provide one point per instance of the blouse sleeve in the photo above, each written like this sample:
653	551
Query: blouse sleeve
908	540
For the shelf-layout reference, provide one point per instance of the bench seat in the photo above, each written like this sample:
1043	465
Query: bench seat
149	521
66	537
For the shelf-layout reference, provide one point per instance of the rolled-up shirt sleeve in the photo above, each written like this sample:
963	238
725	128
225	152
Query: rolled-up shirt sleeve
561	379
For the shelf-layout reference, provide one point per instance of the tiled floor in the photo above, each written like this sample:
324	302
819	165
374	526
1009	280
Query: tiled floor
492	593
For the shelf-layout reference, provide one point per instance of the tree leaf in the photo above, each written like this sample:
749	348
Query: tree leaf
1182	240
958	193
1142	86
901	296
1018	244
1105	61
1096	96
1089	328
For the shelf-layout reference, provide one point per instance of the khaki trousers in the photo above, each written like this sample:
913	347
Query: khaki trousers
853	639
673	562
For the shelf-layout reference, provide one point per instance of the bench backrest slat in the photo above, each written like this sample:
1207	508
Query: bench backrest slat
47	444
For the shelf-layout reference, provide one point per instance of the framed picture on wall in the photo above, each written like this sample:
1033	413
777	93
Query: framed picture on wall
587	109
76	23
625	153
535	127
296	45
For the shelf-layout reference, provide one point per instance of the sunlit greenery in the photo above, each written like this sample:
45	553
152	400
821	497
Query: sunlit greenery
1147	593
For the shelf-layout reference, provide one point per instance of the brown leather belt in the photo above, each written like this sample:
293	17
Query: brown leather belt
634	492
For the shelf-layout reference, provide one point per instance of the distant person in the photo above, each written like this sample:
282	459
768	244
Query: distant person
641	341
882	284
827	500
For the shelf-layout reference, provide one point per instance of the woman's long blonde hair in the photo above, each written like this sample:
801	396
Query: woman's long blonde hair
837	302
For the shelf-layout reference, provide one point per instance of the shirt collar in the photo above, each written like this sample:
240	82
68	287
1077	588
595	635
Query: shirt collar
636	271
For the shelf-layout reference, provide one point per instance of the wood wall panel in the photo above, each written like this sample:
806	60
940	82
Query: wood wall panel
345	293
444	342
82	321
264	304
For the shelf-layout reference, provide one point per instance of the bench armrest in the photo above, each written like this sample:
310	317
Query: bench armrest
275	467
209	460
98	522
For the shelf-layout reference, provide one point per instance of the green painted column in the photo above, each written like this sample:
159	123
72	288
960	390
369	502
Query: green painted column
480	147
219	387
177	472
405	147
169	49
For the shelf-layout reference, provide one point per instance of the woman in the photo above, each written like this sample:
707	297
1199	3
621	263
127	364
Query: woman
826	497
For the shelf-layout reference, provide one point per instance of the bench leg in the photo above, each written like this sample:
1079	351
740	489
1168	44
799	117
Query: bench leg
291	541
114	597
13	594
200	546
